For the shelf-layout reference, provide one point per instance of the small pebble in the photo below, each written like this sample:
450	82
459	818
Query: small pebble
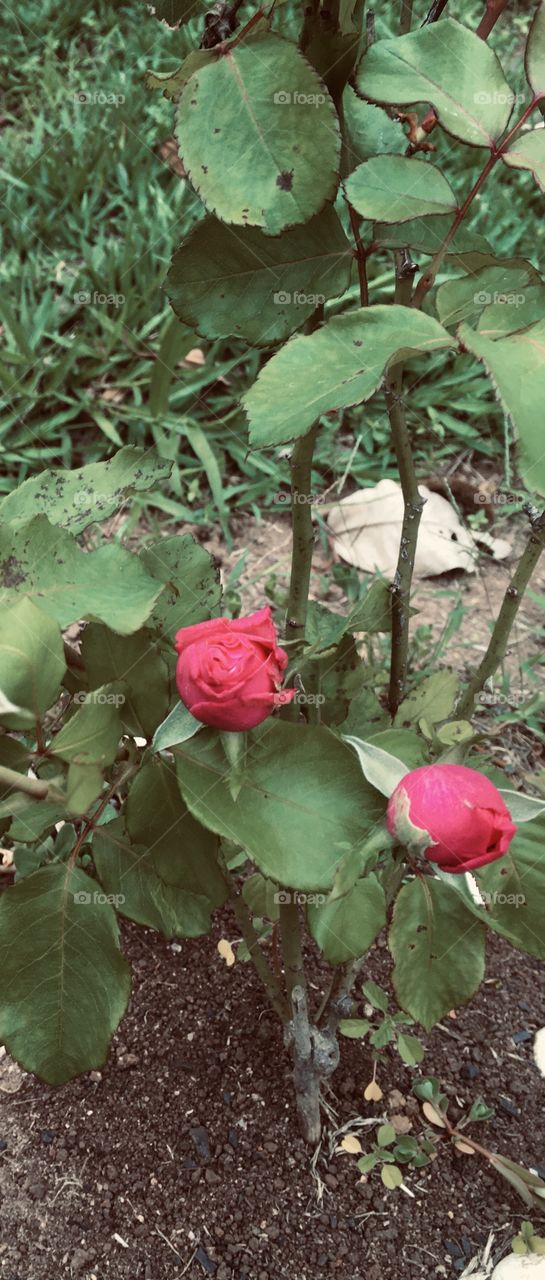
205	1262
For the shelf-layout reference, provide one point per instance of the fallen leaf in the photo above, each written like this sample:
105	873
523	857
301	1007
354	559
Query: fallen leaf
195	356
226	952
433	1116
366	529
351	1144
401	1124
373	1092
463	1149
11	1076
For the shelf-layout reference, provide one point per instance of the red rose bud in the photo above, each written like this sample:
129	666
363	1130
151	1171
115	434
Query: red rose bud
453	815
229	673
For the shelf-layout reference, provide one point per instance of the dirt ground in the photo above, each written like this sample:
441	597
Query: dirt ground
182	1157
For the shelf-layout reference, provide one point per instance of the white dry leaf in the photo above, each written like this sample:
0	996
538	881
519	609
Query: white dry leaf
366	529
226	952
539	1050
520	1266
433	1115
351	1144
11	1076
373	1092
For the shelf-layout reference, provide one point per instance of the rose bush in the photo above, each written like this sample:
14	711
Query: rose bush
454	815
229	671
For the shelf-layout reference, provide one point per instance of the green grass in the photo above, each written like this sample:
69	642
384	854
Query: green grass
92	214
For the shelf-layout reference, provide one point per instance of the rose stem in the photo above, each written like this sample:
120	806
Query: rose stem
497	645
256	953
20	782
305	1076
302	538
413	505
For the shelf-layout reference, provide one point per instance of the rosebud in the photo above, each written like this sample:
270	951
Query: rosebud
229	672
453	815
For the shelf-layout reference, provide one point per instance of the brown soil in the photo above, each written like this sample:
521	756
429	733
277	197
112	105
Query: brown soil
182	1157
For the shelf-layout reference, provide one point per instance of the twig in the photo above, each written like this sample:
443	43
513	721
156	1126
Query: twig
497	646
11	780
413	505
494	10
255	951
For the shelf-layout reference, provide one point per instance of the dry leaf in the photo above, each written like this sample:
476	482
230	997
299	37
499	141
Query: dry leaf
463	1149
11	1076
373	1092
6	859
401	1124
433	1116
396	1100
226	952
539	1050
195	356
366	529
351	1144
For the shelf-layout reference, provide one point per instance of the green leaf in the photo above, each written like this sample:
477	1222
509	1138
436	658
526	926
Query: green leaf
516	312
534	59
528	152
373	613
426	235
398	188
178	727
433	700
342	678
134	660
354	1028
438	949
261	896
83	787
522	808
156	886
516	367
381	769
367	1163
171	83
467	296
341	364
392	1177
323	629
33	818
192	583
404	744
346	928
449	67
157	819
31	662
76	499
259	136
410	1049
514	891
368	131
92	734
302	796
46	563
386	1135
375	995
65	983
256	286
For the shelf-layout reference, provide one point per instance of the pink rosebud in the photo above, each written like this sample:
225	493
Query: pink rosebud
453	815
229	673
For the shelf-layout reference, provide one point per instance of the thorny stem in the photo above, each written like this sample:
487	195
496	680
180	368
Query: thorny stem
302	538
497	646
361	254
435	12
413	505
426	281
292	954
